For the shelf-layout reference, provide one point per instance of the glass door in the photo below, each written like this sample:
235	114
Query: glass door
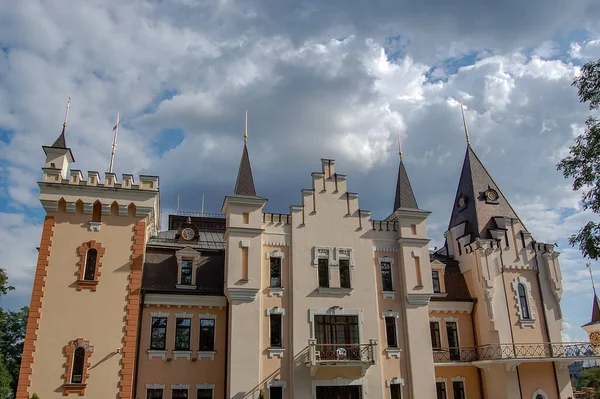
453	344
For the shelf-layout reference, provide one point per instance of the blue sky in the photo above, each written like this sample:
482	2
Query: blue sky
319	80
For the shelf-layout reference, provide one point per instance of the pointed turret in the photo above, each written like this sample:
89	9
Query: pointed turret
478	199
245	183
58	155
405	198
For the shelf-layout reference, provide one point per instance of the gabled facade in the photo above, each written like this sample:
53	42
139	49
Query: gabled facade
320	302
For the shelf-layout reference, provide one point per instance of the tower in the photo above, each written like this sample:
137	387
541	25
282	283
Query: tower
593	327
86	293
415	283
243	260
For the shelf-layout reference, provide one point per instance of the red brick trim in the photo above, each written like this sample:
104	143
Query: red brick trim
35	308
132	311
82	252
69	351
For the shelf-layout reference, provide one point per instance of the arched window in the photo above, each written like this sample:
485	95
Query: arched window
77	372
97	212
539	396
90	264
523	301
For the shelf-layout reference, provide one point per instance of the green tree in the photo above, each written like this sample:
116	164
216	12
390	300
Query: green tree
12	333
588	378
583	162
5	381
4	287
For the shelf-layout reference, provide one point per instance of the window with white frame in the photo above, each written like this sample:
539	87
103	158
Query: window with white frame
204	391
323	270
435	279
390	332
275	388
440	388
179	393
276	330
207	334
386	276
458	387
395	391
275	272
523	299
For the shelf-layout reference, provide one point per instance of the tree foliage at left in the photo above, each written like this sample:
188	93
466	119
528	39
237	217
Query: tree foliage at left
12	333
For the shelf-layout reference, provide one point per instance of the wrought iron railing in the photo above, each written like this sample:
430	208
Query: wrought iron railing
340	354
515	351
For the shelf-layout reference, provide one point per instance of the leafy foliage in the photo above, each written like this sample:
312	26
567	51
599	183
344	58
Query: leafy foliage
583	162
34	396
4	287
12	334
5	381
589	378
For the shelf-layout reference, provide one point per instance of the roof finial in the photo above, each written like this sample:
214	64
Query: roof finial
66	114
246	128
465	123
114	144
589	267
399	147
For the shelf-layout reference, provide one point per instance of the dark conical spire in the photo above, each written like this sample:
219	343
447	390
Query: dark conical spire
478	198
61	142
245	183
405	198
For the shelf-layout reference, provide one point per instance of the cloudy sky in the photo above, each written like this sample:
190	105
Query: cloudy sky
332	79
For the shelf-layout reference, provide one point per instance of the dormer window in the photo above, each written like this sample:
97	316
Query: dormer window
435	279
186	271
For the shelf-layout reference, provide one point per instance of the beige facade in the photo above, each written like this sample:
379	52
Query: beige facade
320	302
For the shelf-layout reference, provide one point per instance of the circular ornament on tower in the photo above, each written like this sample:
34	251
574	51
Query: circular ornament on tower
188	233
491	194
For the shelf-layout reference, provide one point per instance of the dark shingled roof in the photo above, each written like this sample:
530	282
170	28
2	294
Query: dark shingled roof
477	213
245	183
595	311
160	273
454	280
60	142
405	198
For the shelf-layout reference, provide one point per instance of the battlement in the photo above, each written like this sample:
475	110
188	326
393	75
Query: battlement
76	178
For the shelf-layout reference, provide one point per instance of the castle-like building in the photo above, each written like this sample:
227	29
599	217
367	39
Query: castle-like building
322	302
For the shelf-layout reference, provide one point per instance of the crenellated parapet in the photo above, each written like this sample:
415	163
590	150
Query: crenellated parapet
90	195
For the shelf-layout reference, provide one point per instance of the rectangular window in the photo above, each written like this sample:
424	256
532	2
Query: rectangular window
345	273
453	344
323	273
435	278
207	334
276	341
275	272
276	393
337	332
182	334
186	272
205	394
154	394
386	276
418	271
158	333
440	387
458	387
244	263
390	331
434	329
179	394
245	218
413	229
395	391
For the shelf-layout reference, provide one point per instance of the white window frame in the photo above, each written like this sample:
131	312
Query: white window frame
207	354
395	381
323	253
154	386
392	352
206	386
180	386
459	379
530	322
335	311
443	381
159	353
276	384
180	353
276	351
339	381
451	320
275	290
187	253
388	294
539	392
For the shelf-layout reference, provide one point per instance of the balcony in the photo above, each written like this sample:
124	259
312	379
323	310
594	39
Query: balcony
516	353
360	356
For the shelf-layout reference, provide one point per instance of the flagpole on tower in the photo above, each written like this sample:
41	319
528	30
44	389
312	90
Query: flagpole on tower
589	267
114	145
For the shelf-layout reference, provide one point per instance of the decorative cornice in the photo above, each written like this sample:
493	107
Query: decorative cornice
241	294
418	299
450	307
185	300
414	241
